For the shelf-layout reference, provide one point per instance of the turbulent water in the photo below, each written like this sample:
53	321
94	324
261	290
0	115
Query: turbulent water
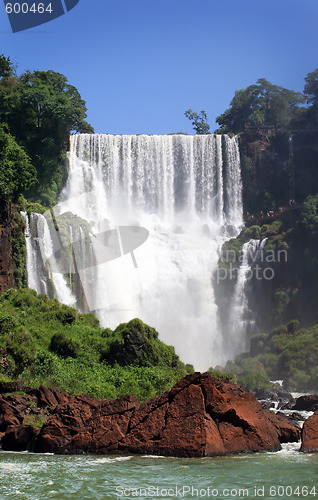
152	213
285	474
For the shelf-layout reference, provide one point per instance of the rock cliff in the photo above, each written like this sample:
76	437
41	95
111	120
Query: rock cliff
200	416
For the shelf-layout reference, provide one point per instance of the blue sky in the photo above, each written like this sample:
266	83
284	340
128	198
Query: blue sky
140	64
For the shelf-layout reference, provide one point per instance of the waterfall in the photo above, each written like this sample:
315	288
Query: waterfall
34	278
241	320
42	267
149	214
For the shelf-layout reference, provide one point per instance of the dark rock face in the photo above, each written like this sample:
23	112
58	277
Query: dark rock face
200	416
10	387
20	438
309	402
6	264
309	434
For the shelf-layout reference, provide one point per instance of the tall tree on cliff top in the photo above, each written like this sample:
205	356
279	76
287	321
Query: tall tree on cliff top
41	109
199	121
261	103
310	114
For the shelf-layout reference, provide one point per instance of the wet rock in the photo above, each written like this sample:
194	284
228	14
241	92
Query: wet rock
309	402
309	434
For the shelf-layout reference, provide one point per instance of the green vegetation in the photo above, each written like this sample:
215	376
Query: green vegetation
288	352
309	216
199	121
16	172
285	306
44	342
51	109
261	103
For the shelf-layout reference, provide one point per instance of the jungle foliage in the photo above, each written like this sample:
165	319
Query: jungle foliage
288	353
40	109
44	342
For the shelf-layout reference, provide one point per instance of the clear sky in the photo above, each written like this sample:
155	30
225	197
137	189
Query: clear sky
140	64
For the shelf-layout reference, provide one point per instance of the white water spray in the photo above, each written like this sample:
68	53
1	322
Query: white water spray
241	319
184	190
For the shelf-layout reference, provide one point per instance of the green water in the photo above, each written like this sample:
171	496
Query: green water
286	474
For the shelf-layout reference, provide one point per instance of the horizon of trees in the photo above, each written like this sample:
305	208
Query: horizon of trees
264	103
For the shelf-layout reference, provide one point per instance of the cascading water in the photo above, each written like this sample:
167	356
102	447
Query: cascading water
186	192
241	320
40	270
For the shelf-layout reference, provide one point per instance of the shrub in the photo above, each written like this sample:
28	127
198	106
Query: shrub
63	346
253	381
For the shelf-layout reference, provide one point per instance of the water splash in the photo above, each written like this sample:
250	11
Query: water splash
184	190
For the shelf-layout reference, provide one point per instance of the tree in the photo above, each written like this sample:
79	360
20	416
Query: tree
311	88
6	67
199	121
310	115
51	109
261	103
16	171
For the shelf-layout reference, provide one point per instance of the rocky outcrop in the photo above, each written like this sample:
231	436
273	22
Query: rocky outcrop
200	416
308	402
309	434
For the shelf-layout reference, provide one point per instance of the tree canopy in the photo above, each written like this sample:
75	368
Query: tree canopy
261	103
6	67
41	108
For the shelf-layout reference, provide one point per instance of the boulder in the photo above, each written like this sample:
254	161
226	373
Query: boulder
200	416
309	402
287	428
309	434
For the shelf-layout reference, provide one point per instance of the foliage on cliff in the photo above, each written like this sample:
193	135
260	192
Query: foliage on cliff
285	305
261	103
16	171
288	353
44	342
51	108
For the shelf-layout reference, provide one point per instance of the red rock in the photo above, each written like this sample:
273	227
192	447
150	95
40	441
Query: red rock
309	434
9	415
287	432
10	387
199	416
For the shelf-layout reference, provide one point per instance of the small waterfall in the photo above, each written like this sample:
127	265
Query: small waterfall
141	220
42	267
241	320
36	281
